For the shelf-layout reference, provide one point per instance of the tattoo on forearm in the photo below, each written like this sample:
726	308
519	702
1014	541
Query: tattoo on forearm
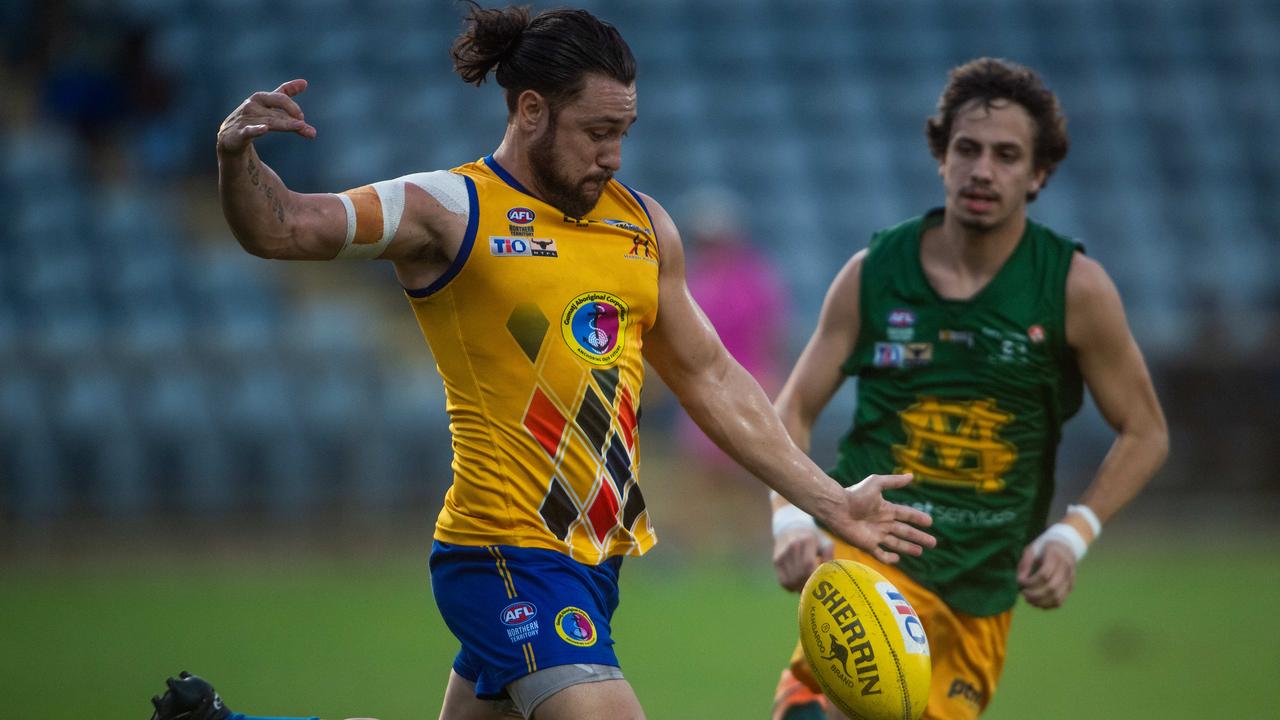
270	192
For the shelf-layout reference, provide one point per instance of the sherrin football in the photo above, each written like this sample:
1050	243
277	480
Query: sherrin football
864	643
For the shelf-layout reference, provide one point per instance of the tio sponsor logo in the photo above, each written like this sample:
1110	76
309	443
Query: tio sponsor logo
518	613
520	215
522	247
509	246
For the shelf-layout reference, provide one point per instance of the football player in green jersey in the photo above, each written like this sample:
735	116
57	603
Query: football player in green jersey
972	331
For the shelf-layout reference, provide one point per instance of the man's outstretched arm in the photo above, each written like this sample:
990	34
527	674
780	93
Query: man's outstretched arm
798	545
266	217
730	406
413	221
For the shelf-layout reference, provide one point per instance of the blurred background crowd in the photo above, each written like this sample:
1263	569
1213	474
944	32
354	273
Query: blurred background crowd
148	366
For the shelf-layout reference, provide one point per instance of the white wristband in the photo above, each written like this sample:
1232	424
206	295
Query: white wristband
790	517
1089	516
1065	534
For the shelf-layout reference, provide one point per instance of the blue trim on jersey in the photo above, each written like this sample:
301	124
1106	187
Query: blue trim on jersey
645	208
505	176
518	610
464	250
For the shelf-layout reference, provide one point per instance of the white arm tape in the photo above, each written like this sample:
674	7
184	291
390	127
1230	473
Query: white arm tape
448	189
790	517
351	222
1063	533
1089	516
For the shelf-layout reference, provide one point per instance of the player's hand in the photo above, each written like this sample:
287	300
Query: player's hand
1047	577
877	526
261	113
797	552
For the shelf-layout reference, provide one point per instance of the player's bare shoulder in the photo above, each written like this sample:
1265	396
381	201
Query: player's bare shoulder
844	296
438	201
1093	301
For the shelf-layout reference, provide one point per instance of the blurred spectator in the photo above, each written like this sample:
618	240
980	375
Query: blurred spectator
90	65
742	294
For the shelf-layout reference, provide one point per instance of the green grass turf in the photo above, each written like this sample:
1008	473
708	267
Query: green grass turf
1148	634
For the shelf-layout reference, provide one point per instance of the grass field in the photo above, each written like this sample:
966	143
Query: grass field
1172	633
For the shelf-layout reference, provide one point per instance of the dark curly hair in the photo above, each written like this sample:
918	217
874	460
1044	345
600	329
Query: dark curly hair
988	81
549	53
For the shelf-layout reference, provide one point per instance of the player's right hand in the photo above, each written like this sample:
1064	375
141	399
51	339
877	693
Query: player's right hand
261	113
797	552
879	527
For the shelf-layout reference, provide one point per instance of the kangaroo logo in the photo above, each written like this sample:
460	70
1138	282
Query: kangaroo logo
838	652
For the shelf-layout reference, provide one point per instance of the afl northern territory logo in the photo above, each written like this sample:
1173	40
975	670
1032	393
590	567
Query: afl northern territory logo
593	325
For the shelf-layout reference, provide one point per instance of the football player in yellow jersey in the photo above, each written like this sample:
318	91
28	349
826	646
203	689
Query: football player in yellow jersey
587	277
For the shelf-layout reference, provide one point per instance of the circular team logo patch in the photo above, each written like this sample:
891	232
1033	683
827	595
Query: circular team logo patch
593	325
574	626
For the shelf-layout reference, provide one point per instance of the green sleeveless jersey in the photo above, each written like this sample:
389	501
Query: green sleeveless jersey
970	396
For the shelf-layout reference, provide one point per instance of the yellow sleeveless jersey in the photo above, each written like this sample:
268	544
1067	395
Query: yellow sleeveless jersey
536	329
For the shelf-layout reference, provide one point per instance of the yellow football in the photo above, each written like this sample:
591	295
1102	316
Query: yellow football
864	643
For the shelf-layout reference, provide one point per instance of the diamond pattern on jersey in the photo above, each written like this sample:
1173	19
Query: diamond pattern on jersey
608	382
627	418
593	418
528	326
635	506
582	510
558	510
544	421
603	512
618	463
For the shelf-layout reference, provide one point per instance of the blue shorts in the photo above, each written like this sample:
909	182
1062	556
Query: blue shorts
518	610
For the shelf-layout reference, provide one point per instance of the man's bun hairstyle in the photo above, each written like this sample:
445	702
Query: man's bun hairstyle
549	53
490	37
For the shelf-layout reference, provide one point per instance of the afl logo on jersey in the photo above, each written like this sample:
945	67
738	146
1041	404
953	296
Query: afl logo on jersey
593	326
901	318
518	613
520	215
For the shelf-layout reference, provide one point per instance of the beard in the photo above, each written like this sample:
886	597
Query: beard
978	223
569	196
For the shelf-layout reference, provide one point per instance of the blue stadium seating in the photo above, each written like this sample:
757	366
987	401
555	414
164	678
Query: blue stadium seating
145	366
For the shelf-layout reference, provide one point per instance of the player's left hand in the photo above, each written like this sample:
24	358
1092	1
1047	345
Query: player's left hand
1047	577
797	553
877	526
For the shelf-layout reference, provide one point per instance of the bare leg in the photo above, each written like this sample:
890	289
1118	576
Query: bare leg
461	703
604	700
